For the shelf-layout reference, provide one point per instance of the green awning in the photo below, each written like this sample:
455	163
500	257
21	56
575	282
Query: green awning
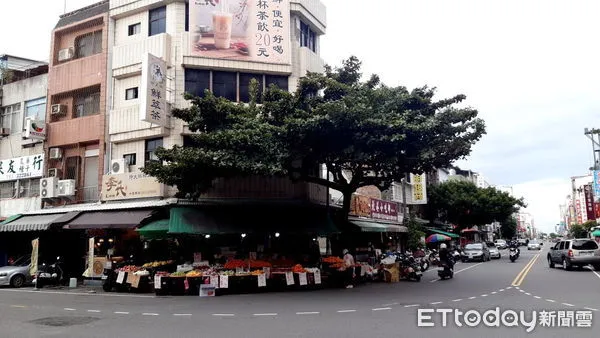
369	226
155	229
596	233
10	219
449	234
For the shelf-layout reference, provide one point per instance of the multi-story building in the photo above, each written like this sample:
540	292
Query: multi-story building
23	85
77	92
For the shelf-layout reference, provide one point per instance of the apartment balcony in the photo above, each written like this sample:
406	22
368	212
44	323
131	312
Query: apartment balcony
78	130
125	125
78	73
312	10
310	61
127	58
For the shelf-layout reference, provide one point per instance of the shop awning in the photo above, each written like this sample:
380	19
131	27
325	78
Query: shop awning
119	219
31	223
449	234
10	219
368	226
158	228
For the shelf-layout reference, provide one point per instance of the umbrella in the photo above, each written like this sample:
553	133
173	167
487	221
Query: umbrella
437	238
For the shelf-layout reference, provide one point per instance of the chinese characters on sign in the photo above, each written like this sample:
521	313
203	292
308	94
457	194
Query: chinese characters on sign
385	210
589	202
245	30
360	206
21	167
153	100
419	190
578	211
129	186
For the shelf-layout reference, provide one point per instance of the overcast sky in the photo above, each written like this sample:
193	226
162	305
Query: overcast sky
529	67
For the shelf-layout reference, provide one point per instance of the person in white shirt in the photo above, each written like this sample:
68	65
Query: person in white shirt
349	263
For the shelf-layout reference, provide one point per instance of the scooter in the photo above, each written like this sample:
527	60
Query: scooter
514	254
445	271
409	269
49	275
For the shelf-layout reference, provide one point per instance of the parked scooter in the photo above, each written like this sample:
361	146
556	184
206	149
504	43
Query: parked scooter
514	254
50	274
409	269
445	271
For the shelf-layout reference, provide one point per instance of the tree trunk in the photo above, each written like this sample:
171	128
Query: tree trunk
346	205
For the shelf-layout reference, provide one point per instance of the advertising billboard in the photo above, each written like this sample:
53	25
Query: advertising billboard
243	30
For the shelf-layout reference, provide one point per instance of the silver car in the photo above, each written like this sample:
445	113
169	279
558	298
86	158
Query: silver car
494	252
575	253
17	274
534	245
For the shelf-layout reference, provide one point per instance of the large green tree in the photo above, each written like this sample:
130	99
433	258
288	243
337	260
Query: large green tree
463	204
508	227
364	132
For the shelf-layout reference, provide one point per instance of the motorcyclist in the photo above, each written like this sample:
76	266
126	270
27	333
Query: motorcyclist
515	244
446	256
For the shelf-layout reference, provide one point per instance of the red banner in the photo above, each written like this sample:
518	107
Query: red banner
589	202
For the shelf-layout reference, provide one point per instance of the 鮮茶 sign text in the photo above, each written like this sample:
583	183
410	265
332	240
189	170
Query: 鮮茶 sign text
153	97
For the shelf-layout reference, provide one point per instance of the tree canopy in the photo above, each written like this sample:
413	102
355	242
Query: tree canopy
508	227
465	205
364	132
582	230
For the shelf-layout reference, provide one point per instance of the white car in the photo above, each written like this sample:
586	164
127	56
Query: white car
534	245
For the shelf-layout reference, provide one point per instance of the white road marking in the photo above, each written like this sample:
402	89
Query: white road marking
516	287
434	303
501	290
19	306
494	292
457	300
551	300
537	297
265	314
472	297
182	314
590	308
484	295
411	305
567	304
223	314
390	304
94	311
104	294
382	308
455	272
346	311
595	273
508	288
527	293
149	314
308	313
69	309
521	290
121	313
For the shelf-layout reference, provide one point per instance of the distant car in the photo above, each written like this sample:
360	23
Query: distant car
475	251
501	244
494	251
17	274
522	241
575	253
534	245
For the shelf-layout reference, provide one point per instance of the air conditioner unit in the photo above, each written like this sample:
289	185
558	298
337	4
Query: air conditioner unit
58	109
66	188
119	166
4	131
54	172
55	153
65	54
48	187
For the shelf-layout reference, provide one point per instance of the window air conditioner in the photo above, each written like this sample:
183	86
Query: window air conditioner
55	153
48	187
58	109
66	188
54	172
65	54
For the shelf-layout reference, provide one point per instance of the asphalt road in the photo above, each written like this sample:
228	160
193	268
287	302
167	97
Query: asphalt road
376	310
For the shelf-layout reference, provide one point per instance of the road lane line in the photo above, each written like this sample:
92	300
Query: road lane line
223	314
567	304
527	293
69	309
494	292
521	276
308	313
346	311
595	272
472	297
457	300
435	303
265	314
455	272
508	288
381	308
537	297
94	311
77	293
501	290
590	308
551	300
411	305
182	314
121	313
149	314
19	306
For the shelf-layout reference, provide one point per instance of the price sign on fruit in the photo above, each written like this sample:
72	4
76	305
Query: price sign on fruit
318	277
157	281
120	277
289	278
262	280
302	278
224	281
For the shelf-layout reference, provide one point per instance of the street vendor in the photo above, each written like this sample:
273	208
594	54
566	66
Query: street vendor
349	264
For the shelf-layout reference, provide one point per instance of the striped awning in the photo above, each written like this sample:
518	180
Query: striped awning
31	223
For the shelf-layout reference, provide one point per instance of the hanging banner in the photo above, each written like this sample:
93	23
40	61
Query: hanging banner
597	185
33	267
153	96
589	202
419	189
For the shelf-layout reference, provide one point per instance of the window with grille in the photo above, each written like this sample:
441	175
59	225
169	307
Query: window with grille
72	168
88	44
86	104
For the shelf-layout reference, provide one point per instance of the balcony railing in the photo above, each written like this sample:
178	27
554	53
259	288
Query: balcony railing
90	194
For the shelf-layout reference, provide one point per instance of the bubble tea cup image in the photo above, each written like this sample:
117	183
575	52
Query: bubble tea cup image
222	26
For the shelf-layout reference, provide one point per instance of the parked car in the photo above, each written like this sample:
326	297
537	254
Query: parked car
475	251
501	244
494	251
523	241
16	274
534	245
575	253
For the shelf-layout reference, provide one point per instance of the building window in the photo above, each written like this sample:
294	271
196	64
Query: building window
29	188
245	79
225	85
197	81
308	37
86	105
280	81
10	117
36	109
72	166
88	44
187	17
131	93
134	29
150	149
130	159
7	189
158	21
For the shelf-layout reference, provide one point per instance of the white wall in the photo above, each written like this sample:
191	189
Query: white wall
10	207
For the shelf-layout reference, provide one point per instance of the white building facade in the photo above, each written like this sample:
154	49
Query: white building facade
22	100
164	29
